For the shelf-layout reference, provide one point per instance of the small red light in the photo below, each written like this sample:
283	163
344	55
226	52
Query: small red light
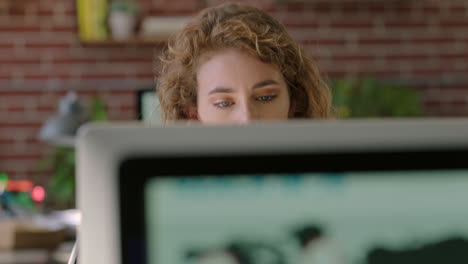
38	194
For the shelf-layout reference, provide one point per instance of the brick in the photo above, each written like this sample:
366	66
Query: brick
460	23
19	157
16	12
431	10
19	165
324	9
60	29
438	40
45	12
161	11
14	119
302	18
122	93
44	77
19	93
462	10
176	5
132	60
9	29
379	41
324	42
433	71
402	10
48	45
6	45
130	108
294	8
70	12
296	24
350	8
406	24
376	9
351	25
15	108
18	133
6	77
408	57
6	141
29	174
451	56
32	125
75	60
19	61
148	76
355	58
104	76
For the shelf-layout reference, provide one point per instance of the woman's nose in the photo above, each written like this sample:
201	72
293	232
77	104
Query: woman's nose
247	114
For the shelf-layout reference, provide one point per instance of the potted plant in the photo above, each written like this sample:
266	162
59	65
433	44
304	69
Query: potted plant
122	18
368	97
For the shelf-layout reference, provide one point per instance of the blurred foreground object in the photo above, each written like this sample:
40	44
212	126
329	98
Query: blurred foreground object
19	198
61	186
60	128
3	182
60	131
368	97
26	234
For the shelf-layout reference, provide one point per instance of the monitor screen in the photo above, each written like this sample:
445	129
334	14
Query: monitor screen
148	106
305	218
259	211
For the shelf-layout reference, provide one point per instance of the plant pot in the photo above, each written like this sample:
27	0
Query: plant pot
121	25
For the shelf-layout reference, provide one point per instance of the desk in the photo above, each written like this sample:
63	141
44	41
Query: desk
37	256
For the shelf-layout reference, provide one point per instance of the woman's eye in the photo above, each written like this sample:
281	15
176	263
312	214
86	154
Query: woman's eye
265	98
223	104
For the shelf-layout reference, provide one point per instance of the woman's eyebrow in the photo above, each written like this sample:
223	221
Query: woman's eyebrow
221	90
264	83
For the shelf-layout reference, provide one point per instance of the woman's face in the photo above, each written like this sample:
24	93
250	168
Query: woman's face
234	87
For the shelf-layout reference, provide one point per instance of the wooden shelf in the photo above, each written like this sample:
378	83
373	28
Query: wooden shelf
128	42
360	2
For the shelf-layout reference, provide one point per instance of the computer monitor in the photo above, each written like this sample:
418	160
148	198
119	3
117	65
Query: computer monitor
148	109
361	191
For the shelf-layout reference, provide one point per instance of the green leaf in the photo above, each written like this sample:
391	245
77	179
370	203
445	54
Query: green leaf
98	110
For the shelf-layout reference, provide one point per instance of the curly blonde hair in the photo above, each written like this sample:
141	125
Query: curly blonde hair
250	30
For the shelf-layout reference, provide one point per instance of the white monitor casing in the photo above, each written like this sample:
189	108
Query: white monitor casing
101	148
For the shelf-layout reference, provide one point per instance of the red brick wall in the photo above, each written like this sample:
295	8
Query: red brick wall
422	43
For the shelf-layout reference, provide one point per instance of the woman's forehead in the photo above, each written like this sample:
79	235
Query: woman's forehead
229	56
235	67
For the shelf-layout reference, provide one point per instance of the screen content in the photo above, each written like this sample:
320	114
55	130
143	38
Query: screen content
368	217
150	111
